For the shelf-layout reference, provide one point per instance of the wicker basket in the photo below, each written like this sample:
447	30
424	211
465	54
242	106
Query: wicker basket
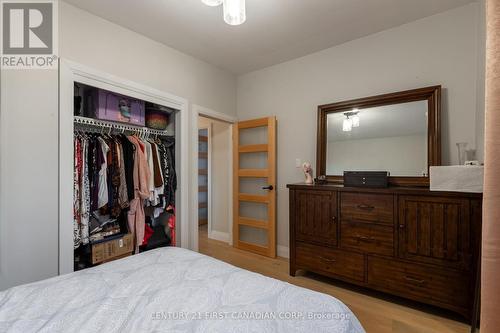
157	117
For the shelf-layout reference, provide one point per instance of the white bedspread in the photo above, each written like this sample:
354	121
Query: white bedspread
170	290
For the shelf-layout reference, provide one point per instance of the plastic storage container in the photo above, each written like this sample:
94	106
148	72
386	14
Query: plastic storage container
107	105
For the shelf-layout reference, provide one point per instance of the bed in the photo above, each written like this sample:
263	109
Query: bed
170	290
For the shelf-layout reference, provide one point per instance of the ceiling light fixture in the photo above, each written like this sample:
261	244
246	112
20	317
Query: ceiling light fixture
234	10
212	3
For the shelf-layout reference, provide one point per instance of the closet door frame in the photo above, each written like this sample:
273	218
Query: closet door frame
196	112
209	177
71	72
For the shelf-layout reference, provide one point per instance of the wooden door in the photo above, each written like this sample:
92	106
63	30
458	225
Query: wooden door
266	195
316	217
435	230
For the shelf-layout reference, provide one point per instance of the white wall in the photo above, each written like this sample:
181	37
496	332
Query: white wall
220	174
481	79
436	50
29	129
100	44
400	155
28	176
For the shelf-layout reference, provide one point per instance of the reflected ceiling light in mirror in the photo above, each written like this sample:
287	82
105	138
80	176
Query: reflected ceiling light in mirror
351	120
347	125
234	12
212	3
355	118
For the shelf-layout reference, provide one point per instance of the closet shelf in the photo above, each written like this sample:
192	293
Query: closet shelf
113	126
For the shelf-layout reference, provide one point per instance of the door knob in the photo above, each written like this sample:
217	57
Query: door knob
270	188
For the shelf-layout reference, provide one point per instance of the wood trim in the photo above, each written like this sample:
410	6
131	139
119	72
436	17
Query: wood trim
236	186
393	181
262	250
203	155
252	223
202	205
203	172
408	190
253	198
203	138
431	94
203	189
253	148
261	122
291	234
253	173
271	164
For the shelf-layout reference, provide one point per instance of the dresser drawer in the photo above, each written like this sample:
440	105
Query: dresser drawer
367	237
330	261
367	207
422	283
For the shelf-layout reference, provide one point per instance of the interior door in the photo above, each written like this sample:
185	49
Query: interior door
254	186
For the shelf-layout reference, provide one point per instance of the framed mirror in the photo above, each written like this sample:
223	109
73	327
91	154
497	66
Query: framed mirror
397	132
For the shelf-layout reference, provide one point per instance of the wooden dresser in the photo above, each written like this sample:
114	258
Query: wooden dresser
408	242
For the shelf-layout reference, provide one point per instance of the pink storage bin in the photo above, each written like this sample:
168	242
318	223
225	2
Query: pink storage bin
115	107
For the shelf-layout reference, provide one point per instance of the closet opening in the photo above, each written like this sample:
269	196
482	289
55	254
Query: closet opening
124	177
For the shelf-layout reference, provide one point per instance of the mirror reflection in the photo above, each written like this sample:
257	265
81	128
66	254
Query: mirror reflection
385	138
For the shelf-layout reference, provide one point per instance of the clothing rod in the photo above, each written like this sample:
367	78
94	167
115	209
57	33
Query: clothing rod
109	125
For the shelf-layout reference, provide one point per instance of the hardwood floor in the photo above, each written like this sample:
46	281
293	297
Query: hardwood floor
379	314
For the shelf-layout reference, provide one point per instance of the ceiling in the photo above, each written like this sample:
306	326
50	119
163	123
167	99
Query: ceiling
386	121
276	30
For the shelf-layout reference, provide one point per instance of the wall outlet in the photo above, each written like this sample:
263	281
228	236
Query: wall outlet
298	163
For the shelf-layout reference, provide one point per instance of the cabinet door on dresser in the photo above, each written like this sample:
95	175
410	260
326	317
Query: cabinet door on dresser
435	230
316	217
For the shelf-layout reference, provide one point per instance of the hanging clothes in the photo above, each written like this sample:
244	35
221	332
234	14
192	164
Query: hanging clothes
76	195
171	178
136	216
116	177
103	193
122	190
84	194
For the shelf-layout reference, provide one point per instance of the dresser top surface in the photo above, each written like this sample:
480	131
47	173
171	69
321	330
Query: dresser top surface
389	190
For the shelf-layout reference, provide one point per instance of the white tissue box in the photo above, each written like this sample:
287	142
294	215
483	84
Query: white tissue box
457	178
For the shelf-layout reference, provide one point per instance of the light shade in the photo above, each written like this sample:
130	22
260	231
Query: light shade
234	12
355	120
212	3
347	125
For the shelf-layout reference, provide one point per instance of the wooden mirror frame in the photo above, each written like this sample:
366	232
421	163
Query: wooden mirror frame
433	97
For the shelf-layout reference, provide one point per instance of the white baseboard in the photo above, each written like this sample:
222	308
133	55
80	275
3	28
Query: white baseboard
283	251
219	235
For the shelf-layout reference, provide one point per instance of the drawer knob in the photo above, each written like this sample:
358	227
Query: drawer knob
414	281
334	219
327	259
365	207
